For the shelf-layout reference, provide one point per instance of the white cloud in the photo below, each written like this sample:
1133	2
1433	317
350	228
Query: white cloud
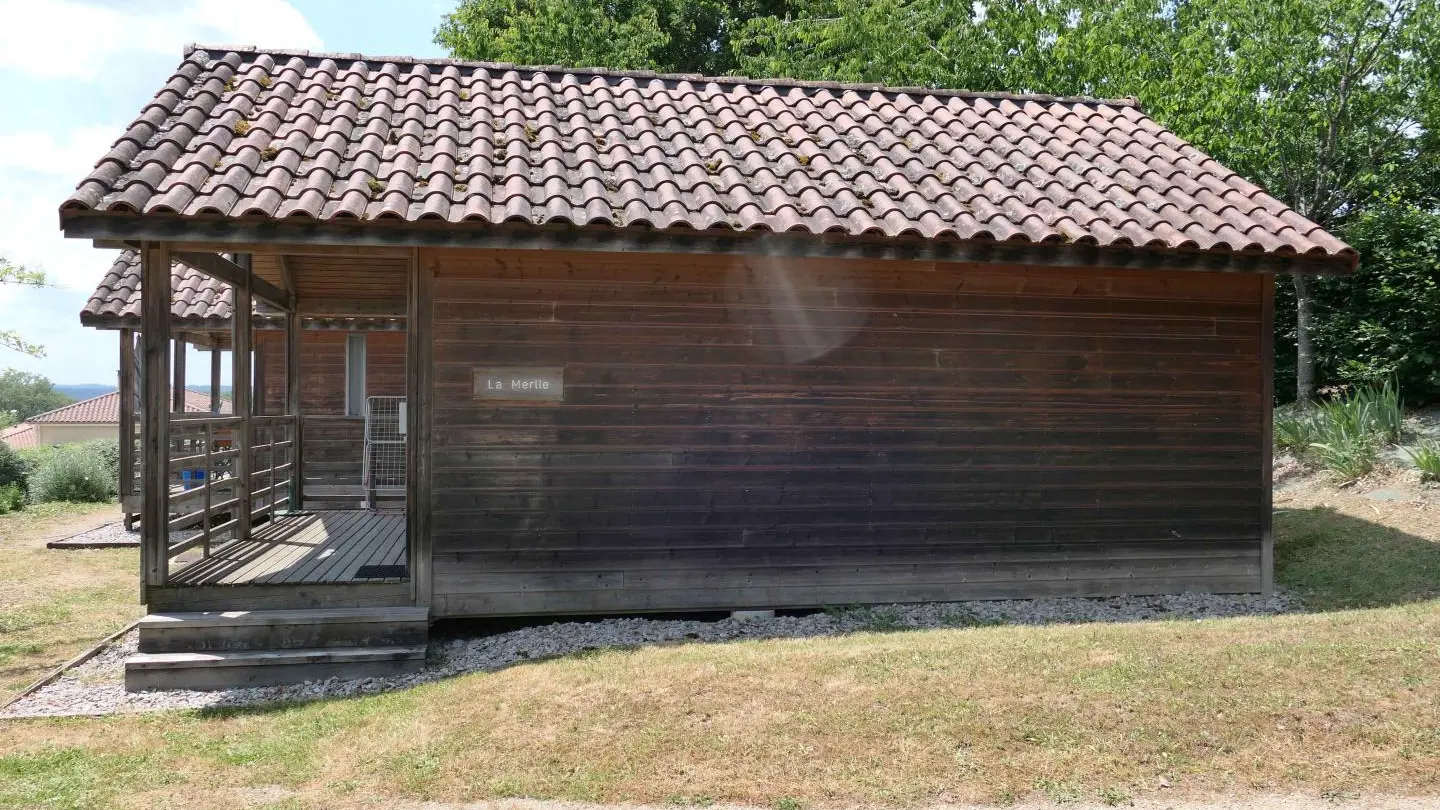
70	154
116	54
79	40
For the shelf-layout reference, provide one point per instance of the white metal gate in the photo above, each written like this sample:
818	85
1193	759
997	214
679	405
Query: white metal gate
383	472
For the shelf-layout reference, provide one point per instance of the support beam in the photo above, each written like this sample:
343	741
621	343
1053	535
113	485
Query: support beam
353	308
419	381
240	382
127	395
177	385
292	407
232	273
1267	426
260	354
216	355
287	275
155	429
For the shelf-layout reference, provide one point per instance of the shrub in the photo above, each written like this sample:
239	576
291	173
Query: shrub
1344	433
1349	456
1295	429
1426	457
108	452
1369	412
73	473
1379	322
12	498
1381	408
13	470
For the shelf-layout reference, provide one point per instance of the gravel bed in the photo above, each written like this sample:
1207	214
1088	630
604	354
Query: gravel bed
96	686
111	535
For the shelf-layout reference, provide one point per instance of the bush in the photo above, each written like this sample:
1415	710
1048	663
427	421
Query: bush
13	470
1344	433
1295	429
1350	456
108	451
73	472
12	499
1379	322
1426	457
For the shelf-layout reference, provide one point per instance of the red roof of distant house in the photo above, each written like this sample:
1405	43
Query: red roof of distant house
19	436
105	409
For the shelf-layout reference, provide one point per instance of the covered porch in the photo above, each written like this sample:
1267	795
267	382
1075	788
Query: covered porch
230	515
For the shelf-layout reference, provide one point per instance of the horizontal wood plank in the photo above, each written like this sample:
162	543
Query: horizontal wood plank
742	432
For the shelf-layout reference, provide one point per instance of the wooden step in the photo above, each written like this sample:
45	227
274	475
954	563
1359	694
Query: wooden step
312	628
206	671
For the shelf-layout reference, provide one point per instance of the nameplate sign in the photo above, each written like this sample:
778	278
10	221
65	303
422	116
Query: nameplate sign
521	384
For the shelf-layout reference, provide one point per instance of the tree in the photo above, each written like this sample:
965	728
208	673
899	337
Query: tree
1330	104
690	36
15	274
1382	323
1324	102
24	394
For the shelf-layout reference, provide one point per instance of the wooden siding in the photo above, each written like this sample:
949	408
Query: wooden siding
743	432
385	363
334	442
333	449
322	370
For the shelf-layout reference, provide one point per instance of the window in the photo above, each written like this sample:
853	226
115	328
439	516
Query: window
355	375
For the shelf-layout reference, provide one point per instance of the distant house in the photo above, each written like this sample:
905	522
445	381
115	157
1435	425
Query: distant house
94	418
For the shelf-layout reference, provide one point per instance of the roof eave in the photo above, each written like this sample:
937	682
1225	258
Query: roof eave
124	229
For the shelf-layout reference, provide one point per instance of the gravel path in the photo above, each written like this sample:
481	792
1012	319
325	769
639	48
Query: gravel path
111	535
96	686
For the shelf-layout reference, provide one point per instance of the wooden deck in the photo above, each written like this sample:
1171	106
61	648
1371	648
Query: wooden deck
316	547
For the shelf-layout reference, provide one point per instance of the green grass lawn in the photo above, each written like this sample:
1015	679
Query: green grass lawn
1338	702
55	604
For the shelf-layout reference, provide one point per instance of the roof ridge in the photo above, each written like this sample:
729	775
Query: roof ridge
69	405
1000	95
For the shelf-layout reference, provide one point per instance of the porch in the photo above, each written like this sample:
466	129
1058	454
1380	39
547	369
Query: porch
305	548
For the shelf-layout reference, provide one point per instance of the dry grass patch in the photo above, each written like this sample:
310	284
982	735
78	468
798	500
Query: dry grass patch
1337	703
54	604
1342	702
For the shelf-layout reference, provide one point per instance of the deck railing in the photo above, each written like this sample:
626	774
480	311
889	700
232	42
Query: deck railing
208	506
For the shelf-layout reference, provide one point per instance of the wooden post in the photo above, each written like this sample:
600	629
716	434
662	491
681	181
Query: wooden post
292	407
1267	404
240	382
155	427
260	355
215	358
177	386
419	376
209	485
127	424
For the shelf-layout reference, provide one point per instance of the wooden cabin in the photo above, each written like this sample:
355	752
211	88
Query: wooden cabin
676	343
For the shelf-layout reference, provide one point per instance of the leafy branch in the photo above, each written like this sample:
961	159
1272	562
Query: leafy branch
11	273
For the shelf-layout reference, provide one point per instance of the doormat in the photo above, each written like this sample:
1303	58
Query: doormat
380	572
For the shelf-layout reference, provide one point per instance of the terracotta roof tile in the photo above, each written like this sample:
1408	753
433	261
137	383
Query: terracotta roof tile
197	299
106	409
20	436
240	132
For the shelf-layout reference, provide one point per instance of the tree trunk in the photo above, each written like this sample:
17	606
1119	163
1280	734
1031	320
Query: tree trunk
1304	351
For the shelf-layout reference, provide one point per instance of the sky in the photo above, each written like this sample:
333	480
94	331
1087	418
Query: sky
73	75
